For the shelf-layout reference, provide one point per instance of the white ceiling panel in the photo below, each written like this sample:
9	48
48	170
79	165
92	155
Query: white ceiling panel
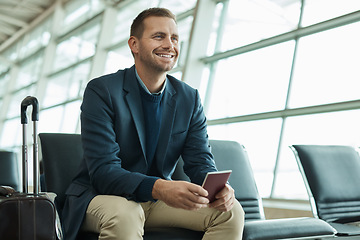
15	15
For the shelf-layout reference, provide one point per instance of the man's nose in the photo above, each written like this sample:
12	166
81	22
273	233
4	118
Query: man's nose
168	43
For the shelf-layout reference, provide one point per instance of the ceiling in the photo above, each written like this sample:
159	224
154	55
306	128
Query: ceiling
16	16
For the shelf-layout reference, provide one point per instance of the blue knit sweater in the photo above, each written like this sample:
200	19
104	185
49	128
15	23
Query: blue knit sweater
152	109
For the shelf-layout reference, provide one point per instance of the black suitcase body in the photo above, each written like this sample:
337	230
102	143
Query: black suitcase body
24	215
27	216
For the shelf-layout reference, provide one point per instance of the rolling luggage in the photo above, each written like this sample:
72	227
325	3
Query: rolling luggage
24	215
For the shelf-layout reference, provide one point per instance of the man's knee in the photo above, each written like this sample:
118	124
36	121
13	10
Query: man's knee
122	212
235	221
116	214
238	214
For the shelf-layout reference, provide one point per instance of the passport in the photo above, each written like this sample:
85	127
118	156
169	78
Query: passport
214	182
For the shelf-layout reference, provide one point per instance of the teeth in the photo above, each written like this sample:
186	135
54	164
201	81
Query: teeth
165	55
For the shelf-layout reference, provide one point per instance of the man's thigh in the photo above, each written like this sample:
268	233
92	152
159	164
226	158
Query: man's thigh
118	212
159	214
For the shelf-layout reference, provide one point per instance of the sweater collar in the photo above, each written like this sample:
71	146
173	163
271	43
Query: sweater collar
145	88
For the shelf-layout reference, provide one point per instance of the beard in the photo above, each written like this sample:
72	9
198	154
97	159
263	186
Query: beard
155	63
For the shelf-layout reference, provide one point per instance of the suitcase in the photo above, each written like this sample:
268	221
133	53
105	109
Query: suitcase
24	215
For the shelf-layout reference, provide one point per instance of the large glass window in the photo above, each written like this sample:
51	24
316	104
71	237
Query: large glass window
119	58
316	11
77	47
71	118
35	40
184	28
66	85
125	16
79	11
250	21
253	82
29	71
4	78
327	67
11	133
63	118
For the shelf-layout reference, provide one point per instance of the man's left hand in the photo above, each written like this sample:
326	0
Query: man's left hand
224	199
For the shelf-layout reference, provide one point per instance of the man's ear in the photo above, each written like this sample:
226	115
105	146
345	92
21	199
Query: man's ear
133	44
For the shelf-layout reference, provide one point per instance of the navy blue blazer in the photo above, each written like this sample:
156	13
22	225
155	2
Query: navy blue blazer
113	138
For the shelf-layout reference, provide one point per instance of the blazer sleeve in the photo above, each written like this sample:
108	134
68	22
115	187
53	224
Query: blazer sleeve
197	156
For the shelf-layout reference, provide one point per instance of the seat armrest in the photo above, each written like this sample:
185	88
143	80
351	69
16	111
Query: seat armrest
287	228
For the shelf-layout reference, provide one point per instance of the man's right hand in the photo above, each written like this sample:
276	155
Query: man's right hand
180	194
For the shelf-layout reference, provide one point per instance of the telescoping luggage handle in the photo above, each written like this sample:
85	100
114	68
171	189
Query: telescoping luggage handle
29	100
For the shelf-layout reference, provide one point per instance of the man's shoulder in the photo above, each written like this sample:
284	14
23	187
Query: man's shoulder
111	79
180	85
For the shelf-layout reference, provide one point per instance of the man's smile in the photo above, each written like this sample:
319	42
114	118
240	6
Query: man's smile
165	55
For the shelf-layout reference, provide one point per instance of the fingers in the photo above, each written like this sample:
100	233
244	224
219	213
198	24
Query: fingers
198	190
180	194
224	207
225	199
191	205
196	198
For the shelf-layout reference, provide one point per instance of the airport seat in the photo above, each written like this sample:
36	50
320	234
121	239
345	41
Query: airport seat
61	156
331	174
9	170
232	155
62	153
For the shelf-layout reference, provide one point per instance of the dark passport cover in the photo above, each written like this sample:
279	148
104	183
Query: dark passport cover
214	182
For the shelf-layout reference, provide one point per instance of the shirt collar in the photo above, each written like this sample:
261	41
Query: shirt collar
142	84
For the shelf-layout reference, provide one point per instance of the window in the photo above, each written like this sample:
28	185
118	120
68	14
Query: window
315	10
79	11
253	82
29	71
77	47
250	21
327	67
66	85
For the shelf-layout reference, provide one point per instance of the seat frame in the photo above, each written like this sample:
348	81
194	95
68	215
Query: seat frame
306	183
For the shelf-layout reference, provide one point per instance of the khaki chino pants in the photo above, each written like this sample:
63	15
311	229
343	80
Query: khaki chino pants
117	218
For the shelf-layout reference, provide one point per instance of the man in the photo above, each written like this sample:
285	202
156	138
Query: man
136	123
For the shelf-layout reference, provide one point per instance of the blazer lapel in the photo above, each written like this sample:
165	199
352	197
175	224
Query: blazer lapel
134	102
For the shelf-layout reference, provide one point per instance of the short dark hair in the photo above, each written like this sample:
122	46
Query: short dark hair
137	27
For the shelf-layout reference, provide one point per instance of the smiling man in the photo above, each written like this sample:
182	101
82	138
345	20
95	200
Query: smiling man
135	124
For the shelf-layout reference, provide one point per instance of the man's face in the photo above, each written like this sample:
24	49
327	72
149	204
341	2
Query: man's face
158	48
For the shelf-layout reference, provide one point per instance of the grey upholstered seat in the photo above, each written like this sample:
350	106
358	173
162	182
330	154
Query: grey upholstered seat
62	153
9	170
332	176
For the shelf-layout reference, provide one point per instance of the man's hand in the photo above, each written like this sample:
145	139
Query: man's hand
180	194
224	199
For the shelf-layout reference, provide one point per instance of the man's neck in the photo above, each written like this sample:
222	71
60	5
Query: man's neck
152	80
